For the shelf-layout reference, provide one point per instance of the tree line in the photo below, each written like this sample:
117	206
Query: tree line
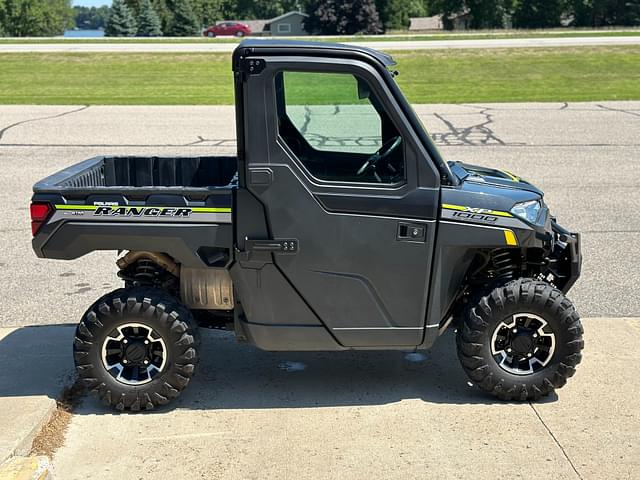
539	13
376	16
21	18
188	17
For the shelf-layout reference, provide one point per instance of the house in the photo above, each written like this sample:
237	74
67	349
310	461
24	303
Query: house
421	24
290	23
256	26
457	21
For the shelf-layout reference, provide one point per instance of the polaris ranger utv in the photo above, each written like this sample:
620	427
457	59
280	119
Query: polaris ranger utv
338	226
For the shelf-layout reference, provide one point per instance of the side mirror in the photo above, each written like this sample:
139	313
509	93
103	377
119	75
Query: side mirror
364	91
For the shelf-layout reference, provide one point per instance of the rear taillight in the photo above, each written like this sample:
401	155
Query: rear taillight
39	214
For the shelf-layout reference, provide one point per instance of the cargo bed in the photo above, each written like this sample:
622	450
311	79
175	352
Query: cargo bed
138	203
142	175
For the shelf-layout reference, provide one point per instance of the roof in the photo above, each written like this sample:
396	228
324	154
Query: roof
254	25
426	23
288	14
385	59
258	25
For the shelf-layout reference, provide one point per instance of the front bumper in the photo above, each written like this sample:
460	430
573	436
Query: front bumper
565	261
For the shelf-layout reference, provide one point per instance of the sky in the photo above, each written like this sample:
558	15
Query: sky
91	3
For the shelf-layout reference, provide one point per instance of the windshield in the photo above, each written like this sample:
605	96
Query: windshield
420	129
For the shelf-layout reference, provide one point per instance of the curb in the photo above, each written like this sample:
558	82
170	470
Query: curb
25	445
29	390
26	468
22	446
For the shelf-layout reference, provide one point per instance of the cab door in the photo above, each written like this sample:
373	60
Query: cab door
349	201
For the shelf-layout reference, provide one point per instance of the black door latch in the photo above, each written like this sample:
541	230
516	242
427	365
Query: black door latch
411	232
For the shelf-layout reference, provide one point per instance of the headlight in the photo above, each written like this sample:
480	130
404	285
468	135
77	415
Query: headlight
529	211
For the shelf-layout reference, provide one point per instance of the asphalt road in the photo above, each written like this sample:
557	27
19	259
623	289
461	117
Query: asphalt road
380	45
584	156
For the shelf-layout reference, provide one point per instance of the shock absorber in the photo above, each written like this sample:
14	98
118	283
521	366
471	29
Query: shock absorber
505	263
146	272
149	269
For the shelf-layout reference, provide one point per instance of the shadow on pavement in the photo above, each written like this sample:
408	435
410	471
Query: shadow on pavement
38	361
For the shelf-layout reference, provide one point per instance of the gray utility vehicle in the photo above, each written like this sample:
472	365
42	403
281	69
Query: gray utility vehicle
337	226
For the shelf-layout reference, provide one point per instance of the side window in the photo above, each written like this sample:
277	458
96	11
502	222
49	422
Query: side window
338	129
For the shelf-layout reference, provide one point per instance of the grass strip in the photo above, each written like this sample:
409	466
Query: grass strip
426	76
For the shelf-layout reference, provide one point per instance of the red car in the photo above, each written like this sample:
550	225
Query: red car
228	28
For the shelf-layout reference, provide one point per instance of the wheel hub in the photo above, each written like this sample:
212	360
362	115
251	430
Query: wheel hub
523	344
134	354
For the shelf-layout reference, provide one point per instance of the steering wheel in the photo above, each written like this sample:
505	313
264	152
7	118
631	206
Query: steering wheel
383	152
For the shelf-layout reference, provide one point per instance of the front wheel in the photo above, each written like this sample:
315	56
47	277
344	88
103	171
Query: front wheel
522	341
136	347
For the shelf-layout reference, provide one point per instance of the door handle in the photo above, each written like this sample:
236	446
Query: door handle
411	232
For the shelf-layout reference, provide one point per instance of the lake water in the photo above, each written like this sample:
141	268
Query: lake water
84	33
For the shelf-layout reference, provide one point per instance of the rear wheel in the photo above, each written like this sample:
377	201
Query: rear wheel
136	347
522	341
239	34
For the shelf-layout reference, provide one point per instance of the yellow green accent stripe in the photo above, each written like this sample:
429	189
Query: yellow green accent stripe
513	177
476	210
209	210
76	207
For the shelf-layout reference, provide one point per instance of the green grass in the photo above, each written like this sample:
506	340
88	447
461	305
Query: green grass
432	76
358	38
521	75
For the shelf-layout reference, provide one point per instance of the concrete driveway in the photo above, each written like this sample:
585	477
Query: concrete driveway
251	414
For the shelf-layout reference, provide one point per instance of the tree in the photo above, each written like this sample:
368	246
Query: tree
323	17
359	16
598	13
396	14
135	6
208	12
162	8
2	15
481	13
91	18
538	13
331	17
120	22
488	13
148	21
20	18
448	9
631	14
184	22
164	12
